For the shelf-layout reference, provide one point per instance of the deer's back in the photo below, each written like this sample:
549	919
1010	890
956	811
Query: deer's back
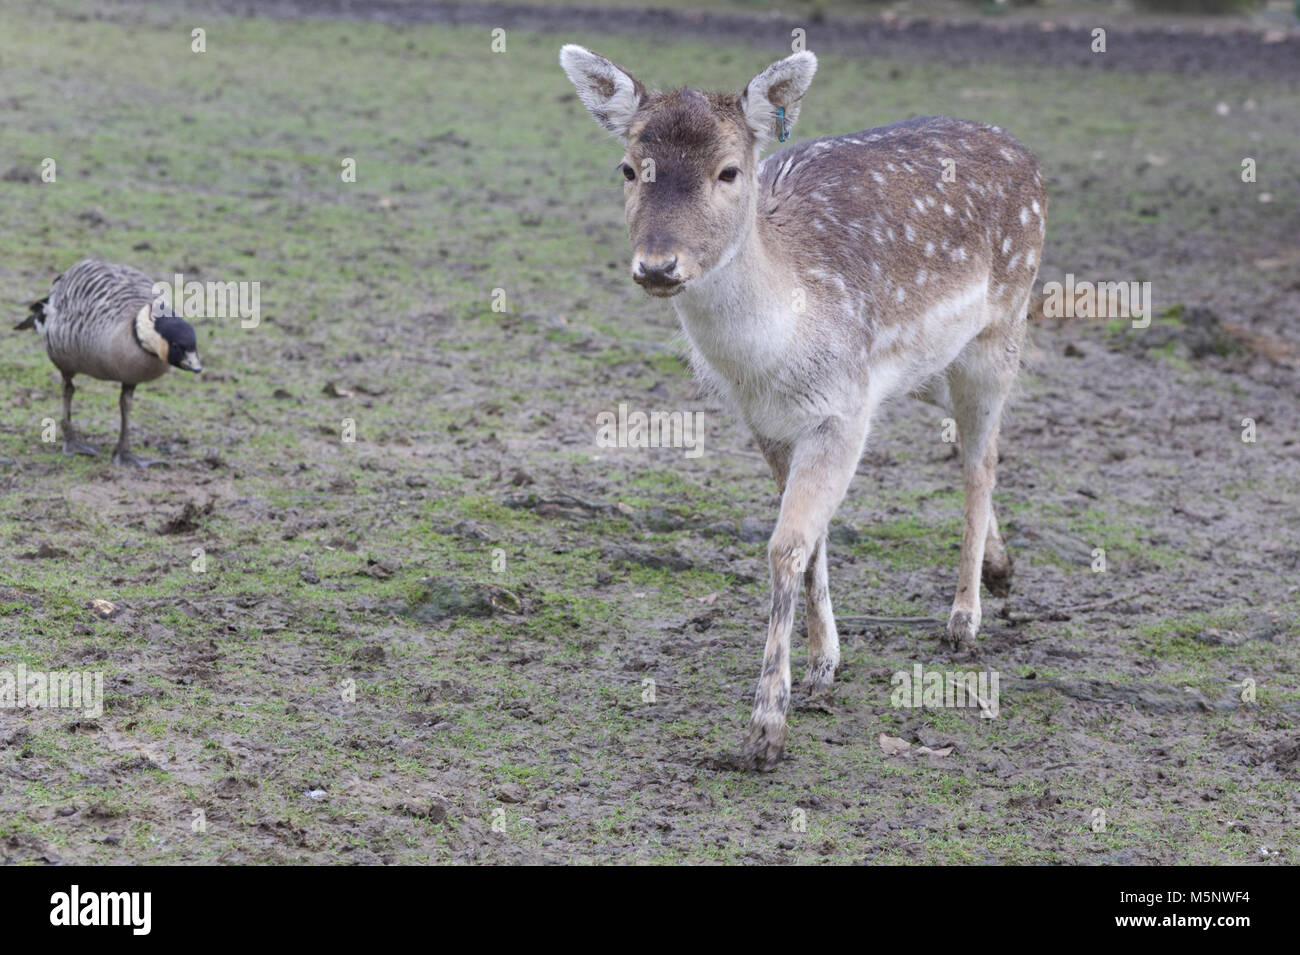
906	213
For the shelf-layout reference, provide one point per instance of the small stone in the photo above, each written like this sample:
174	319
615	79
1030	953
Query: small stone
103	608
511	793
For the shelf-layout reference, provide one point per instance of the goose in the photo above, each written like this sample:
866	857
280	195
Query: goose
101	320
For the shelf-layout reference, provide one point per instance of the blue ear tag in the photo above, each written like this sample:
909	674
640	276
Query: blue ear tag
782	130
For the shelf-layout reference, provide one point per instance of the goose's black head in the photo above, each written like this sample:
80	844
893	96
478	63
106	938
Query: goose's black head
182	346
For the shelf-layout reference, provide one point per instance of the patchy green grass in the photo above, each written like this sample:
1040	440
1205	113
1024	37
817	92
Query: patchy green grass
282	692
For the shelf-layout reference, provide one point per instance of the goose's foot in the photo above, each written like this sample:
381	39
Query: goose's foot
74	445
124	458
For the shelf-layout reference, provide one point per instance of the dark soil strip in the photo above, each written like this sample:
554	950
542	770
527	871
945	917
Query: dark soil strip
1170	50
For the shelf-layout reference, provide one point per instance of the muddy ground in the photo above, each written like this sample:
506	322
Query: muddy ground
472	634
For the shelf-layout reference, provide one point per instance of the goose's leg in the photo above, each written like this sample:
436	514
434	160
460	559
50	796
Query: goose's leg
122	453
72	443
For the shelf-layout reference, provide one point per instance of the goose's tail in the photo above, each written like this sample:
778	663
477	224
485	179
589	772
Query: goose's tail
36	319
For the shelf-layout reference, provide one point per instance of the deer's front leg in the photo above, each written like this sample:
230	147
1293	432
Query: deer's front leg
823	639
821	466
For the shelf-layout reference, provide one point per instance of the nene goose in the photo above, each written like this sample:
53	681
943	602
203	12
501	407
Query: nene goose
101	320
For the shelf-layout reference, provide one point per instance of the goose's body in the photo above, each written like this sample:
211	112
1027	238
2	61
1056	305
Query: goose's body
89	325
100	320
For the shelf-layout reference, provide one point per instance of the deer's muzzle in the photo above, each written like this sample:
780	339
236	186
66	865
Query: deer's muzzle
658	275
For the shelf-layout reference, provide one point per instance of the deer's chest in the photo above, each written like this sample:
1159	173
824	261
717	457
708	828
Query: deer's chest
763	360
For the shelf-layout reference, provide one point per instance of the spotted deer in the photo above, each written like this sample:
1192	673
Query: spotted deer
816	284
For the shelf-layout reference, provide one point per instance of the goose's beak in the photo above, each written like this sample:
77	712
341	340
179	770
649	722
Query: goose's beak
191	362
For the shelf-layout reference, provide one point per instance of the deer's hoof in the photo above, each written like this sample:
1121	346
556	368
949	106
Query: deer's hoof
963	628
997	577
765	743
819	679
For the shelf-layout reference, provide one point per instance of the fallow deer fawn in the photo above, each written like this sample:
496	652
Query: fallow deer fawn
818	283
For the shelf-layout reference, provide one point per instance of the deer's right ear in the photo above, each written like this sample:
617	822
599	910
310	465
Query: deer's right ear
611	95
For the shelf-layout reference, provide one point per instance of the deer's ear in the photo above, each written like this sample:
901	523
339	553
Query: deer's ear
779	87
610	94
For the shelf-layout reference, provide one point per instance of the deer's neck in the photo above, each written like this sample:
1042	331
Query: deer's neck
740	317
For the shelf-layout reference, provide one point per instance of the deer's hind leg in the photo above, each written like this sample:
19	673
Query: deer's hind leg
978	383
823	638
997	567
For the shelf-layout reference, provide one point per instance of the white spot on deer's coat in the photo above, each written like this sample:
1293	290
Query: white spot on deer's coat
920	206
900	294
1024	215
1034	205
1006	245
948	210
878	177
920	277
909	232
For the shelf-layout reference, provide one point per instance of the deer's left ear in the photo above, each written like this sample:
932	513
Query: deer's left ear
779	87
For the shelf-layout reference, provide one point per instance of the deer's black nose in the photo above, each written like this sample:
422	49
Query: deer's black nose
652	271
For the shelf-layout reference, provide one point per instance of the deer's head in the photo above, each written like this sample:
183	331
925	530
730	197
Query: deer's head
690	160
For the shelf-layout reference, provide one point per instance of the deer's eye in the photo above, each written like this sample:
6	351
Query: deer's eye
628	172
729	174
